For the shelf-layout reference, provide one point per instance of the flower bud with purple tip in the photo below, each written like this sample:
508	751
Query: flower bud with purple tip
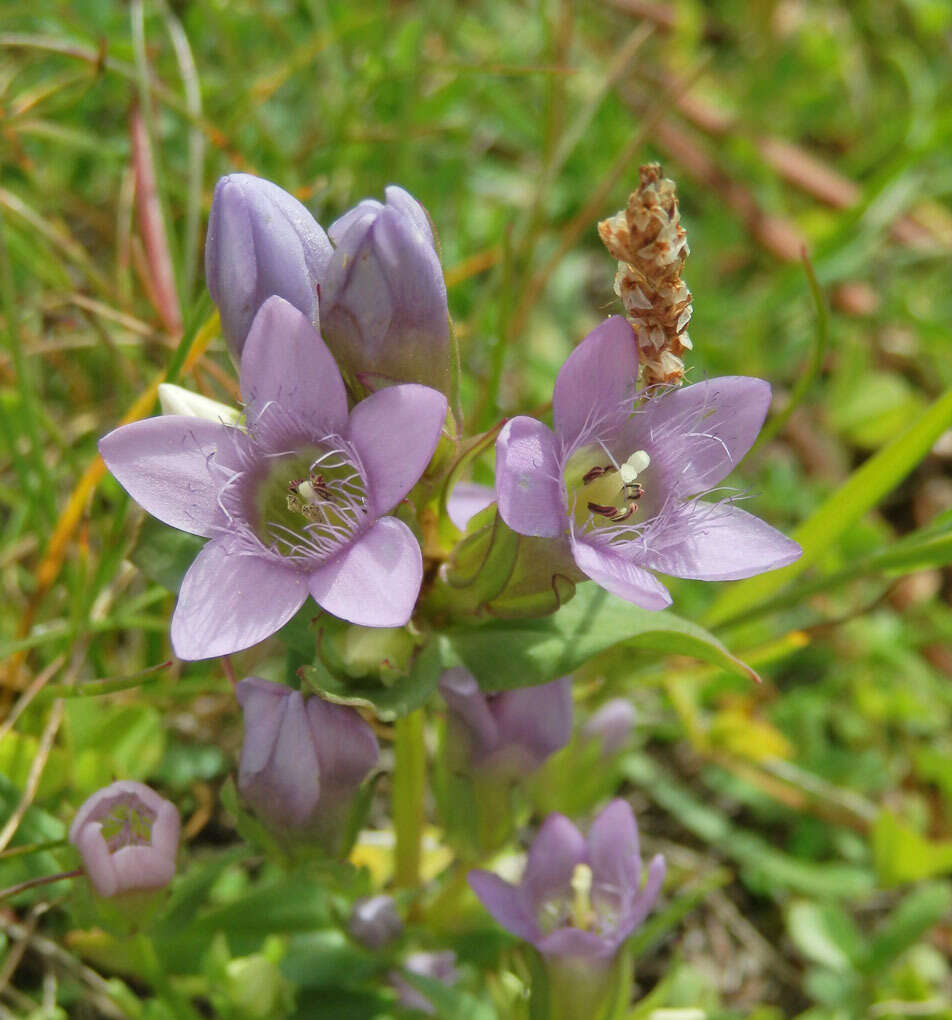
261	241
491	743
610	725
511	732
127	836
383	301
302	762
374	921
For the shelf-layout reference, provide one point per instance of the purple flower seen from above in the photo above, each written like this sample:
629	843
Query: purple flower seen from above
127	836
302	759
511	732
618	476
296	503
383	301
261	241
374	921
579	898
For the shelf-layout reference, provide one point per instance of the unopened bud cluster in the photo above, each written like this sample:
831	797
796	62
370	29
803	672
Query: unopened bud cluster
651	245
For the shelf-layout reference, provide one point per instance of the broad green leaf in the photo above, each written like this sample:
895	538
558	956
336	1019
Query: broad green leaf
517	653
855	497
825	934
903	855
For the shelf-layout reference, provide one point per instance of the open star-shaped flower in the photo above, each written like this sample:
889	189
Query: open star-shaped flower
619	475
578	897
296	503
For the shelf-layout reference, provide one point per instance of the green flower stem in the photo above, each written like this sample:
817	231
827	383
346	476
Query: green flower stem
409	783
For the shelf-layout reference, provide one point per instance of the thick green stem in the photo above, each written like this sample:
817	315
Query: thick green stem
409	783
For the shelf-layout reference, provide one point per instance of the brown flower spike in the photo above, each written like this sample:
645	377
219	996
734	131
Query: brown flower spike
651	245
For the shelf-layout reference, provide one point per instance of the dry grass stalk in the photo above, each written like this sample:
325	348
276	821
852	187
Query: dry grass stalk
651	245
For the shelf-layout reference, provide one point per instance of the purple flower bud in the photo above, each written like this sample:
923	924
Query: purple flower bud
302	760
127	836
611	725
511	732
579	899
383	302
374	921
261	241
436	966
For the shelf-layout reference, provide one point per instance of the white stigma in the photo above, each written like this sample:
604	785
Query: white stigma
306	491
633	467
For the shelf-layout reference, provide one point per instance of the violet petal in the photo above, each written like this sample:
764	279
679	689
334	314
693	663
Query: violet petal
615	573
230	601
466	500
598	377
167	465
528	479
396	432
703	431
505	902
720	542
376	580
285	360
556	850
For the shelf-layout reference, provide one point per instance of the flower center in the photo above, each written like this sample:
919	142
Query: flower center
127	825
602	490
311	501
574	910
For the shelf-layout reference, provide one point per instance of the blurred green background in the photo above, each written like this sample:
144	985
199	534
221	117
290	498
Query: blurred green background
808	820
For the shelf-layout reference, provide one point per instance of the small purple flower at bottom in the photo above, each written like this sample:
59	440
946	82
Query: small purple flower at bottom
127	836
302	760
296	504
579	898
439	966
617	480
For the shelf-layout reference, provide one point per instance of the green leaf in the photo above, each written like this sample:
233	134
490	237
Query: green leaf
908	923
856	496
825	934
903	855
517	653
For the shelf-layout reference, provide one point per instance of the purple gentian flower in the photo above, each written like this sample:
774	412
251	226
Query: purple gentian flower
619	483
374	921
440	966
383	300
294	505
127	836
579	898
611	725
261	241
509	733
302	760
